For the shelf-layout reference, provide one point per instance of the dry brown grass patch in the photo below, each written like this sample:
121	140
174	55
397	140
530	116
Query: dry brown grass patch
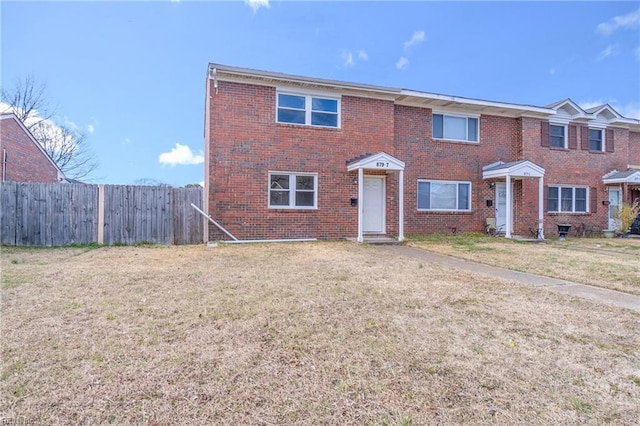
321	333
608	263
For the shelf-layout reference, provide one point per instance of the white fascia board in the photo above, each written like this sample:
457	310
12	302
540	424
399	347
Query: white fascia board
523	169
379	161
633	178
267	78
522	109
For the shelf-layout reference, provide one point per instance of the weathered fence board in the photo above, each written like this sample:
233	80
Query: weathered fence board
188	224
62	214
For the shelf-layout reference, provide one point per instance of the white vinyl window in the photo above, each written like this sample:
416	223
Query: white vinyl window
596	140
444	195
310	110
455	127
568	199
558	135
293	190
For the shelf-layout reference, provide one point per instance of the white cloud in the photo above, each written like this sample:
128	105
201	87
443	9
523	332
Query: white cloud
590	104
629	21
402	63
629	110
201	183
418	37
610	50
90	128
180	155
256	4
349	60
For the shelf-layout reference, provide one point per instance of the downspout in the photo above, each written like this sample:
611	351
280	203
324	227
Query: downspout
207	111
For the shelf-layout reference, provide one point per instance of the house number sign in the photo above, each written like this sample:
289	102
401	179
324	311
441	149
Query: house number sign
382	164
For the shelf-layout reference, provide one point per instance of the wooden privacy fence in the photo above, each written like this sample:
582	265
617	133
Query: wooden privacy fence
56	214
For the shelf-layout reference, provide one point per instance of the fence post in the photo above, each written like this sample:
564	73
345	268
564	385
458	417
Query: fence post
101	214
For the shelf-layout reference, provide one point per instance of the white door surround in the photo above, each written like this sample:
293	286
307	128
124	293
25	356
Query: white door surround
373	204
615	197
380	162
516	170
501	207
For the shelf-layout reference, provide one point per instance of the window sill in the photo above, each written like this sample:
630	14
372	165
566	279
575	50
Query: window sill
307	126
292	209
596	152
568	213
557	148
446	211
455	141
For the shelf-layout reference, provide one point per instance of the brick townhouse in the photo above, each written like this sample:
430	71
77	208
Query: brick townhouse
291	157
22	159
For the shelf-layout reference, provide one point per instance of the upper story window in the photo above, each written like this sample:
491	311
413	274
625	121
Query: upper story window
455	127
444	195
308	110
596	140
567	199
293	190
558	136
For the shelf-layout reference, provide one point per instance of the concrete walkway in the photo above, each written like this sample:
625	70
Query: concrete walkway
601	295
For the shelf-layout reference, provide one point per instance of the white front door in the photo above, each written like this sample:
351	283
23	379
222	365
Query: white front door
615	195
501	206
373	204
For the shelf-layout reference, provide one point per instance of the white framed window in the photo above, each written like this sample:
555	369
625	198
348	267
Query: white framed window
568	199
456	127
596	140
440	195
308	109
293	190
558	135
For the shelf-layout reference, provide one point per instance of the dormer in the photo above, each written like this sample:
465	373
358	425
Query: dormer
567	111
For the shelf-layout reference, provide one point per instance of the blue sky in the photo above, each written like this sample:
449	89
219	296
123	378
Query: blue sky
132	74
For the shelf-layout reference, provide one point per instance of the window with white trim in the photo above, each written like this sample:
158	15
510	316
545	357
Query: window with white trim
455	127
596	140
439	195
293	190
568	199
310	110
558	135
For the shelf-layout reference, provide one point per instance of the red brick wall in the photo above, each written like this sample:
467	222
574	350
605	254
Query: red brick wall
25	162
428	158
247	143
576	167
634	148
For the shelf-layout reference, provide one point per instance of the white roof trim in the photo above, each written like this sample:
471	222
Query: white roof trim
524	169
633	178
380	161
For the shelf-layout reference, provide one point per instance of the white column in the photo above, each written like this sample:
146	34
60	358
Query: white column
360	204
401	206
508	213
541	208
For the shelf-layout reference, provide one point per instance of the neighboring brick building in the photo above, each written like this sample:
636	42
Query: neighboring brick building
295	157
22	159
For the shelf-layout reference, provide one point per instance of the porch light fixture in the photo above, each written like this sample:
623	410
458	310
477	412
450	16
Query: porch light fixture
491	185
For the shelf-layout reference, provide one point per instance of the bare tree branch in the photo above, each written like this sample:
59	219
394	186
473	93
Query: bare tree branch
66	145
